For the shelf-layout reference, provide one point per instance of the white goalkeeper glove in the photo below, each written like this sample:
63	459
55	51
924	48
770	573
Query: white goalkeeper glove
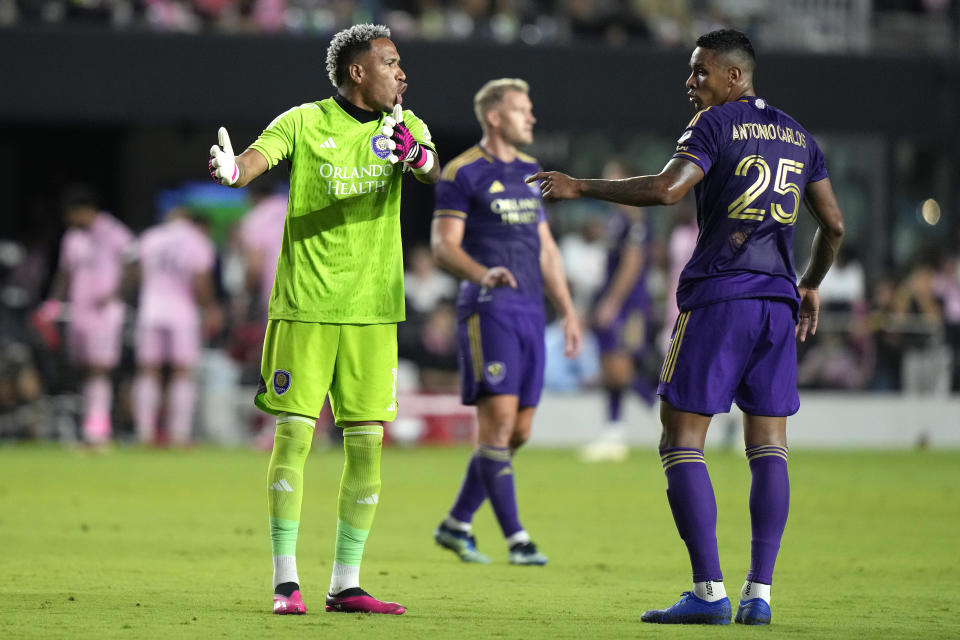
403	145
223	164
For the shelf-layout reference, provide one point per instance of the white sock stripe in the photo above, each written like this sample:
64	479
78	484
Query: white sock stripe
284	419
363	433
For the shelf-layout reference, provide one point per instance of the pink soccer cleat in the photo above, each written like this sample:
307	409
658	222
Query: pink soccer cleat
289	605
357	600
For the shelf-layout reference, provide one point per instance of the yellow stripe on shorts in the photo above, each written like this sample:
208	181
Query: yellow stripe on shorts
476	346
671	360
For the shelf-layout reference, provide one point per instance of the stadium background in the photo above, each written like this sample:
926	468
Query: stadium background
127	96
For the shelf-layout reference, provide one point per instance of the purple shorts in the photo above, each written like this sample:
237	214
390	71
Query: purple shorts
501	352
741	351
627	332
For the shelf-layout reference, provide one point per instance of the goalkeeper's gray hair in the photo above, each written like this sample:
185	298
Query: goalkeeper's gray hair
491	94
346	44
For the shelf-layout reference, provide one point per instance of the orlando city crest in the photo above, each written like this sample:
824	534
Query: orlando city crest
281	381
379	145
495	372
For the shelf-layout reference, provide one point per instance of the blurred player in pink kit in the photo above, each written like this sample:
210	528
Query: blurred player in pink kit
92	256
262	234
176	263
683	240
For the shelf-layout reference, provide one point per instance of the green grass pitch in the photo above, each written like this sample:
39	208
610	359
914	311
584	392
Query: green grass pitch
164	544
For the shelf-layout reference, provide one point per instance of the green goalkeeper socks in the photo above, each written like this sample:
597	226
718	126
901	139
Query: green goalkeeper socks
359	491
291	444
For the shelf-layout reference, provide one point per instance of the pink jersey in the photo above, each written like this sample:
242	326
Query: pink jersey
683	240
94	258
262	232
171	255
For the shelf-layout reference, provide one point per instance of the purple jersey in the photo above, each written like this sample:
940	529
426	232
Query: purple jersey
628	230
757	162
502	215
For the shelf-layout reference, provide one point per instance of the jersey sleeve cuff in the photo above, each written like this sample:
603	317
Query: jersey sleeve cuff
698	159
271	161
449	213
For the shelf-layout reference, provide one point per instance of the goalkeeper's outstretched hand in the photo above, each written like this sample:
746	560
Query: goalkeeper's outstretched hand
403	145
223	164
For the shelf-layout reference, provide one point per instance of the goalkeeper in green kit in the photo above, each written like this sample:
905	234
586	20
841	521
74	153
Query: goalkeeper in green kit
338	293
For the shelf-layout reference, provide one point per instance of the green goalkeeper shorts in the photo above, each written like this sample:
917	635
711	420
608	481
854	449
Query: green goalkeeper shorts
355	364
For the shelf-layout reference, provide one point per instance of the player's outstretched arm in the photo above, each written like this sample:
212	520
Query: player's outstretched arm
231	170
446	235
822	204
555	285
667	187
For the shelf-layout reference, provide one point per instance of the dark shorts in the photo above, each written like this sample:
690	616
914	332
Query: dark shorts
627	332
501	352
741	351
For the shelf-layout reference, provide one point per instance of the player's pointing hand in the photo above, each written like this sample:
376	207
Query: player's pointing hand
556	186
223	163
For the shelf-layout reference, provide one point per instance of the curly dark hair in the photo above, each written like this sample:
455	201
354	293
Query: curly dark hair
347	44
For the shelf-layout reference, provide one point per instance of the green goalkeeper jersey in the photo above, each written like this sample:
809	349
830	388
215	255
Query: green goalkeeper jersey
341	260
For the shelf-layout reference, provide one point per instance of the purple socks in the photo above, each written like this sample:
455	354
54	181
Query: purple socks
489	474
769	505
694	509
472	493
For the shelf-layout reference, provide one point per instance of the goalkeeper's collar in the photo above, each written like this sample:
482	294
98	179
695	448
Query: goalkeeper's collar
358	114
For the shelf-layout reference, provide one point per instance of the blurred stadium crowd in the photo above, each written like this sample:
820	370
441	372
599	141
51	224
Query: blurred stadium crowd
818	25
896	332
885	327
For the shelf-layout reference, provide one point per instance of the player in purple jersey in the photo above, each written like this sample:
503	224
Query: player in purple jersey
489	230
621	321
741	307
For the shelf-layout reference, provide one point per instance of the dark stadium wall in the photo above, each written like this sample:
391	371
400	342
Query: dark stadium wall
143	77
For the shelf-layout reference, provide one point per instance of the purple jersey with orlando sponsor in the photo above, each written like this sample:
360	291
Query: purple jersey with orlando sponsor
500	332
502	214
757	162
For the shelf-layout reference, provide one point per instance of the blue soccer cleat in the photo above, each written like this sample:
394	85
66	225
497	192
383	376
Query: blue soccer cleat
753	611
461	543
691	610
526	553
